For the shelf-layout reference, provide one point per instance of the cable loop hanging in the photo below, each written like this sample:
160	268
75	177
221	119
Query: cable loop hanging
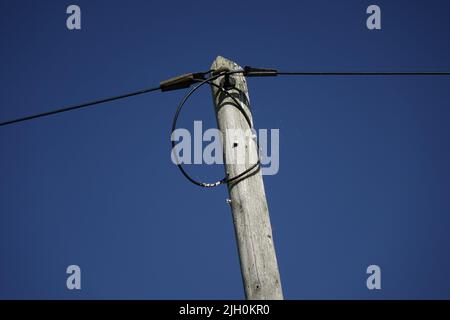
214	75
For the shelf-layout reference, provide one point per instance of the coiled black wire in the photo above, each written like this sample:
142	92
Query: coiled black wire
237	104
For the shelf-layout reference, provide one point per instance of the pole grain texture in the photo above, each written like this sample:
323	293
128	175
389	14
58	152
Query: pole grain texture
251	219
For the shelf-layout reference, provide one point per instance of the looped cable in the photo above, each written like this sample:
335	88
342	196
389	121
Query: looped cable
214	75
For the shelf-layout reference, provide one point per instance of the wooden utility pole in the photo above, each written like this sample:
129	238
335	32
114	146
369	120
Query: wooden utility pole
248	200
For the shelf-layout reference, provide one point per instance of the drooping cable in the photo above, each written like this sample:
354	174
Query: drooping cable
237	104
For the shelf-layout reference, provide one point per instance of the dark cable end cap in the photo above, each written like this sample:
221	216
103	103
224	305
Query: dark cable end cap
181	82
259	72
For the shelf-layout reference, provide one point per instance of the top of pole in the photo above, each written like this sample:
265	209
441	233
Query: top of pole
248	202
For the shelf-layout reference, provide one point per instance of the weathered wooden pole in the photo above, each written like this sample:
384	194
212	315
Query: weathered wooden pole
248	200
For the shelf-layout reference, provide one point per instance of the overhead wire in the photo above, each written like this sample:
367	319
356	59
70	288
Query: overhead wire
201	78
79	106
363	73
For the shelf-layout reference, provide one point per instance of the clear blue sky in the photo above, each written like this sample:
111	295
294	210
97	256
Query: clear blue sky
364	163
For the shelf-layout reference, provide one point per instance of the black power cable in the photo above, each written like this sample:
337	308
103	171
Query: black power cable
180	82
79	106
200	79
363	73
186	80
